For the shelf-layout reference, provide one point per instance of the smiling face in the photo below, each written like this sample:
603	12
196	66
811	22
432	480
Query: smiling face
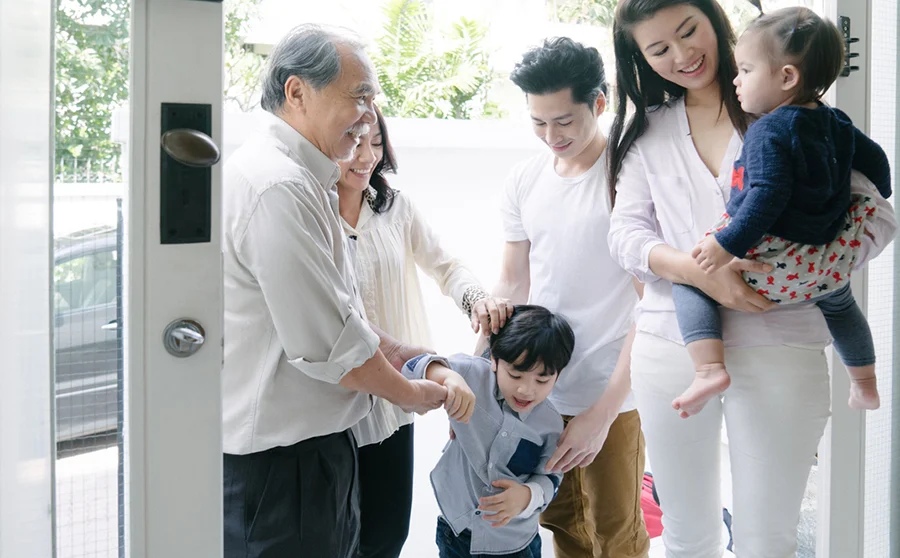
523	391
356	172
567	127
680	44
334	117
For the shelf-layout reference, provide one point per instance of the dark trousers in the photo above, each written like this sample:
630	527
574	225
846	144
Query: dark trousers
300	501
451	546
385	494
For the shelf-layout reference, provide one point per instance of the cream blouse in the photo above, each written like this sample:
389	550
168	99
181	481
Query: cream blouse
389	248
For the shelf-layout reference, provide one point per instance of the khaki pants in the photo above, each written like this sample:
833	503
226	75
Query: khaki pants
597	512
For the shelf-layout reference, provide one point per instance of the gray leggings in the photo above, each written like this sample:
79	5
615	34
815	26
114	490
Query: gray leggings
698	318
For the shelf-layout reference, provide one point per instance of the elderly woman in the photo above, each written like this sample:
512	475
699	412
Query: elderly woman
393	240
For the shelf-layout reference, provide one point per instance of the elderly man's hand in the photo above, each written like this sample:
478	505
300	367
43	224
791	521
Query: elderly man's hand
424	396
398	353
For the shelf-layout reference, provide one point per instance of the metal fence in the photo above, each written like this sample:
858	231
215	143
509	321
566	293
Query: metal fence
88	171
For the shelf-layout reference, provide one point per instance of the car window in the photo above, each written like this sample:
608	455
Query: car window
85	282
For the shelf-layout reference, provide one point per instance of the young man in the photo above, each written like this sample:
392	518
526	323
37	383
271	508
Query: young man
556	219
492	481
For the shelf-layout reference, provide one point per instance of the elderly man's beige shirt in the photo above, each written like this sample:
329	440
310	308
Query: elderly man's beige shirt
294	324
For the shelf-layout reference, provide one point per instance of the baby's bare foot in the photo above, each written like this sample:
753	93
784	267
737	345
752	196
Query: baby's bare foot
710	381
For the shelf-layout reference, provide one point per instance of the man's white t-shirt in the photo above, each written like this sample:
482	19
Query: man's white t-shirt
572	273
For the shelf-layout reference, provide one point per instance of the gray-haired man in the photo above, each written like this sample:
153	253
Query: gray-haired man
300	358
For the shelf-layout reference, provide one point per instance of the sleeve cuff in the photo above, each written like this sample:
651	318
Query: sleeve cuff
415	368
537	500
514	236
355	345
644	274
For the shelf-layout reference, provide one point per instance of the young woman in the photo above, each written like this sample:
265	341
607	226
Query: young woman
672	168
392	240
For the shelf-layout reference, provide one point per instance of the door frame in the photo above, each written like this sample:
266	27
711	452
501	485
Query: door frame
841	481
27	447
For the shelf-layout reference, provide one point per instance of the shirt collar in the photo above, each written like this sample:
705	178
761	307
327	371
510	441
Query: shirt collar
497	394
365	213
322	168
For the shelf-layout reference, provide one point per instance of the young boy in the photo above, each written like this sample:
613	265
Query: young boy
491	481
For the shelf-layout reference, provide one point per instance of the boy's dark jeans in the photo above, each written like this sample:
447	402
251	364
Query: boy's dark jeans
451	546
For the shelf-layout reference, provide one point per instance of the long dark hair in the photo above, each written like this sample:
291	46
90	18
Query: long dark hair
384	194
637	82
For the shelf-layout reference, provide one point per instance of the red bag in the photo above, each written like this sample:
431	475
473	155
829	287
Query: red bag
650	506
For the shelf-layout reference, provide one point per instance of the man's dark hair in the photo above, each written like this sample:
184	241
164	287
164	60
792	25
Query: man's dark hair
534	335
561	63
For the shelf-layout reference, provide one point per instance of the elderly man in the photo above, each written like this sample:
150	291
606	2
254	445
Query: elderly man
300	358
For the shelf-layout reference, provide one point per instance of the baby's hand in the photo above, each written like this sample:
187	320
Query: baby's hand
460	402
506	505
710	255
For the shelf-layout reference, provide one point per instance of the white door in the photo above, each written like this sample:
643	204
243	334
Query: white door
25	365
110	445
175	420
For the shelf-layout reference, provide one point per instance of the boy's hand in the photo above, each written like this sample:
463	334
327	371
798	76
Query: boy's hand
506	505
460	402
710	255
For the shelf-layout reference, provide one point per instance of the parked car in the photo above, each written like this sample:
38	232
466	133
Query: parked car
86	333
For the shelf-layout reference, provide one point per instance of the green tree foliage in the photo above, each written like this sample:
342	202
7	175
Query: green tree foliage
592	12
92	51
91	80
243	67
601	13
424	76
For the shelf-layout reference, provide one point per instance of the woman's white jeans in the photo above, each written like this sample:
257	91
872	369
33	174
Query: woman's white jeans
775	413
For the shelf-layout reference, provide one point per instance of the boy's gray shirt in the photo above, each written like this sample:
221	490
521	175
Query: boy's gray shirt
495	444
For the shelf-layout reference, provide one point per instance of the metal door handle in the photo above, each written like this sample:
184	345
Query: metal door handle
111	326
191	147
183	337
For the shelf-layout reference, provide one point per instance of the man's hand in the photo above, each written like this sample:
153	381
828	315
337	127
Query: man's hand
397	353
489	314
580	443
425	396
508	504
460	402
710	255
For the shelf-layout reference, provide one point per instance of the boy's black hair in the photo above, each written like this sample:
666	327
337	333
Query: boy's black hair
561	63
534	335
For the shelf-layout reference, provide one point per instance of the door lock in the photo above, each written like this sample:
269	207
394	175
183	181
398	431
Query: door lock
183	337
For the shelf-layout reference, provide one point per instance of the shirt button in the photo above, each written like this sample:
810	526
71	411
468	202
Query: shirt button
491	465
477	512
834	160
504	434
